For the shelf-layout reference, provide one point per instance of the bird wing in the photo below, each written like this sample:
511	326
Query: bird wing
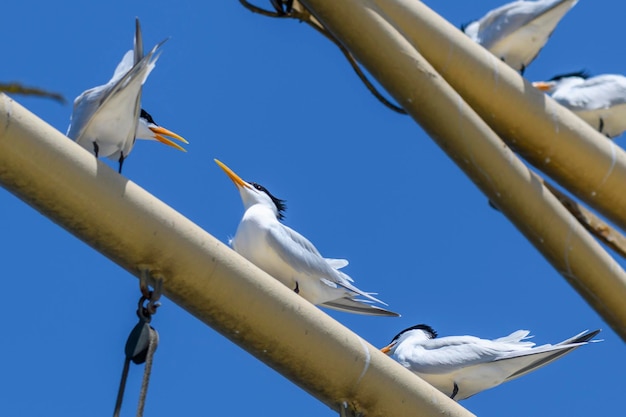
129	83
528	21
513	356
86	104
543	355
449	354
359	307
337	263
602	91
298	252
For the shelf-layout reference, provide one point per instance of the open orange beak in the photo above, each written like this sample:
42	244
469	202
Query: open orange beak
161	133
234	177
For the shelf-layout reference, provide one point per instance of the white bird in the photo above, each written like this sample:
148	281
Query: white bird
599	101
106	119
461	366
290	258
517	31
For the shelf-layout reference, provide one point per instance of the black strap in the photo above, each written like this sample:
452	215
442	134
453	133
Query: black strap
289	12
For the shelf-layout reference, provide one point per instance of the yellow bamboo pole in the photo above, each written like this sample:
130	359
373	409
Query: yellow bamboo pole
546	134
131	227
364	29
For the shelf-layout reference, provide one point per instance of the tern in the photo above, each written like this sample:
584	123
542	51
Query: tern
600	101
461	366
107	119
517	31
290	258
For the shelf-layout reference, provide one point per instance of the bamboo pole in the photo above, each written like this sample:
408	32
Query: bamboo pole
362	26
547	135
134	229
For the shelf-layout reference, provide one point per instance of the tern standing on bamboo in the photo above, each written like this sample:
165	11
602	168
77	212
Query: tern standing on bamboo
290	258
107	119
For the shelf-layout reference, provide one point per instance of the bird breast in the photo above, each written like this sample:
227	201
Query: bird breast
251	242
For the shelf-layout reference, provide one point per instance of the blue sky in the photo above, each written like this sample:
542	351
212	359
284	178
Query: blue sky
279	104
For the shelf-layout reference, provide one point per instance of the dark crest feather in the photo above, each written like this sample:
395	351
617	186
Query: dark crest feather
280	204
424	327
582	74
464	26
145	115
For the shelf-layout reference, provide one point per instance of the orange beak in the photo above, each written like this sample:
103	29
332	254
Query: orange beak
234	177
387	348
160	134
542	85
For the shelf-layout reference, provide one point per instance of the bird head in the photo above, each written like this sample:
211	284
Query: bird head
253	193
561	80
420	331
148	129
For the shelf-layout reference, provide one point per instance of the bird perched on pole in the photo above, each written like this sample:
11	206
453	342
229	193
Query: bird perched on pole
517	31
290	258
461	366
107	119
600	101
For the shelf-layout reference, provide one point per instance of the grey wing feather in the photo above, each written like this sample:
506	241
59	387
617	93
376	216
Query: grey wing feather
86	104
521	18
299	252
358	307
549	353
138	44
121	84
599	92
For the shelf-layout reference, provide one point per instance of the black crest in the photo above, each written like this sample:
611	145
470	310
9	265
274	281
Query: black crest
280	204
145	115
464	26
582	74
431	332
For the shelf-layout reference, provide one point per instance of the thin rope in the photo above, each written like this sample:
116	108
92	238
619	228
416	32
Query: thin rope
120	391
147	370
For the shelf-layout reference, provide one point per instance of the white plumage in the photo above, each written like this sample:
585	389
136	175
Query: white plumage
106	118
290	257
517	31
461	366
599	100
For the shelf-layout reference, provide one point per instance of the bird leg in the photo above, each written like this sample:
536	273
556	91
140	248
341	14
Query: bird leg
601	125
297	289
96	148
455	391
121	161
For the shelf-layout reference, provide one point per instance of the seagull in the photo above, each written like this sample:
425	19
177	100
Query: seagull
461	366
290	257
106	119
600	101
516	32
